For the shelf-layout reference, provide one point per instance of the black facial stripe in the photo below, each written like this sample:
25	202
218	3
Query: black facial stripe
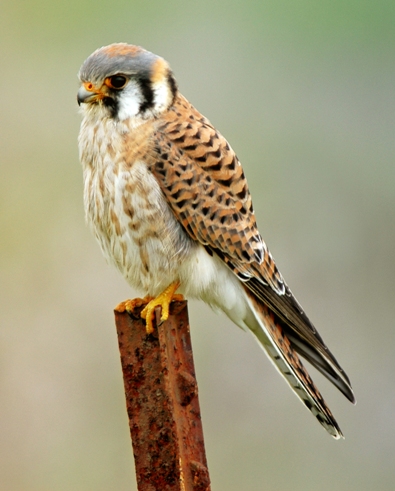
148	94
112	104
172	84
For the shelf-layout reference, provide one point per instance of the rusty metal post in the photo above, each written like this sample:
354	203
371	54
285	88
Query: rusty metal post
162	402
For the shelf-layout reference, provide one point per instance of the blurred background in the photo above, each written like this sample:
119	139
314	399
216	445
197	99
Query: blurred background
304	91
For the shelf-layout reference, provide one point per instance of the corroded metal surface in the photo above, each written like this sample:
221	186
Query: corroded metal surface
162	402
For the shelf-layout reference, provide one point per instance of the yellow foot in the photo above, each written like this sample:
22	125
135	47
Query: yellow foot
163	300
130	305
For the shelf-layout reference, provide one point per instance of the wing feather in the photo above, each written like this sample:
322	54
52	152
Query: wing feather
205	186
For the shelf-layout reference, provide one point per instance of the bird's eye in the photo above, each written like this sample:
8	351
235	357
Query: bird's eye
116	82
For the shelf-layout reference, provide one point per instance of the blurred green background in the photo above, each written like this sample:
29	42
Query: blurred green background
304	91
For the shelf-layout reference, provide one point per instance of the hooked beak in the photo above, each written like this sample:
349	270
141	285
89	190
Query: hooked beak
87	93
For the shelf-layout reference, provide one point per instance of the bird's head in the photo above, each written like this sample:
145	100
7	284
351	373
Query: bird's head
123	81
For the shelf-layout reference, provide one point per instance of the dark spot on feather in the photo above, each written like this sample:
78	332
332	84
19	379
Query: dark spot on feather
205	210
203	158
223	219
208	250
189	181
235	217
242	194
189	148
216	154
232	165
165	156
134	226
189	229
225	182
194	205
181	203
179	139
176	194
130	212
216	167
245	255
307	404
258	255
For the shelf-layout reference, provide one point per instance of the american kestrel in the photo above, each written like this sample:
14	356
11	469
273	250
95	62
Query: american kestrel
168	201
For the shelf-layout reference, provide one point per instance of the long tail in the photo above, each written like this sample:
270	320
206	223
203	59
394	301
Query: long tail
270	334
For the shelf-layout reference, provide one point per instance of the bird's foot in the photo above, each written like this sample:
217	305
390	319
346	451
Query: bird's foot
163	300
130	305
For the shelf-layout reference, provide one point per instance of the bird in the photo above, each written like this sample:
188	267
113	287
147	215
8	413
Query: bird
168	201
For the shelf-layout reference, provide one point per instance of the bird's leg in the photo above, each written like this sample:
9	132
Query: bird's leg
163	300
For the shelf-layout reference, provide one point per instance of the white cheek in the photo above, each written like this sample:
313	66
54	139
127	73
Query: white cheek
129	101
161	95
